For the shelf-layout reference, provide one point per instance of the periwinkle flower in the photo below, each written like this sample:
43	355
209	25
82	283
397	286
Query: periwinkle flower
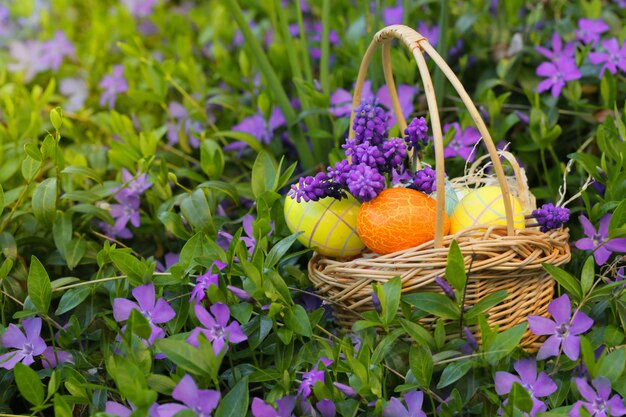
323	408
445	287
205	280
598	240
462	143
557	73
216	327
598	403
370	122
156	311
139	8
613	58
120	410
113	84
26	346
563	330
414	400
416	134
182	124
550	217
424	180
376	302
76	91
536	385
285	406
201	401
242	294
589	30
558	49
471	344
256	125
429	32
26	58
346	390
393	15
311	377
364	182
54	357
57	48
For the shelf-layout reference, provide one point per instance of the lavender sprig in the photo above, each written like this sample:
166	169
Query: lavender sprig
416	134
370	122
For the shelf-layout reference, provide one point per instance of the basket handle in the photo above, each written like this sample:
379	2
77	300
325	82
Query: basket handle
418	44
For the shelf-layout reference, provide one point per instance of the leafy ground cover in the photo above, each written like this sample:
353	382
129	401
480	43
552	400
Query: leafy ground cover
145	150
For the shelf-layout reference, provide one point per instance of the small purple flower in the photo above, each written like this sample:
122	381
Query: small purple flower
589	30
613	58
376	302
201	401
424	180
205	280
598	403
285	405
558	50
550	217
325	408
563	330
76	91
26	58
315	188
462	143
364	153
155	311
121	410
414	400
537	385
182	124
242	294
416	133
365	183
445	287
370	122
216	327
56	49
393	15
55	357
139	8
113	84
557	74
394	152
257	126
471	344
27	345
340	172
310	378
346	390
430	33
598	241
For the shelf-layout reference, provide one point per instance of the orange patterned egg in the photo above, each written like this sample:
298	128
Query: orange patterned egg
399	218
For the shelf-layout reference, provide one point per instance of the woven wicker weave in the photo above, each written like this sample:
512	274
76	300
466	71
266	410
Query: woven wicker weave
502	257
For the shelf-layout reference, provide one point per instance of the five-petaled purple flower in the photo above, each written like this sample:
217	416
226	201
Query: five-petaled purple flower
414	400
182	125
201	401
323	408
598	241
285	407
613	58
537	385
216	327
27	345
54	50
557	73
589	30
205	280
310	378
126	210
563	330
156	311
120	410
462	143
558	50
598	403
113	84
256	125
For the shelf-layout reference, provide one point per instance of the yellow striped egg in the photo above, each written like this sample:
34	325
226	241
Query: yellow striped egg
485	207
327	225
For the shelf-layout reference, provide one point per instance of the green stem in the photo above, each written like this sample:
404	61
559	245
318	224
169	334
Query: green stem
308	73
442	48
325	61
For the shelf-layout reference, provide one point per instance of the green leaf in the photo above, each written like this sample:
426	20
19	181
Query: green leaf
235	403
247	138
223	187
519	398
587	275
39	287
421	362
54	383
618	219
74	252
486	303
62	230
72	298
29	384
83	171
45	201
196	210
184	355
455	268
277	282
454	372
565	280
297	320
1	199
504	343
392	290
30	168
130	266
263	174
418	333
384	347
433	303
279	250
174	224
211	158
613	364
61	407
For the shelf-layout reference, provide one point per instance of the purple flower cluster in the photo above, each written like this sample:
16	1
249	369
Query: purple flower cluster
126	210
550	217
315	188
370	122
416	134
424	180
32	57
365	182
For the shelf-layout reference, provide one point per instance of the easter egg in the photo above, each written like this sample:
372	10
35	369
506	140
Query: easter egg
398	218
327	225
485	207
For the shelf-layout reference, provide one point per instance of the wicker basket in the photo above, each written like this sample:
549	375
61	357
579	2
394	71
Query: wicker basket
502	257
